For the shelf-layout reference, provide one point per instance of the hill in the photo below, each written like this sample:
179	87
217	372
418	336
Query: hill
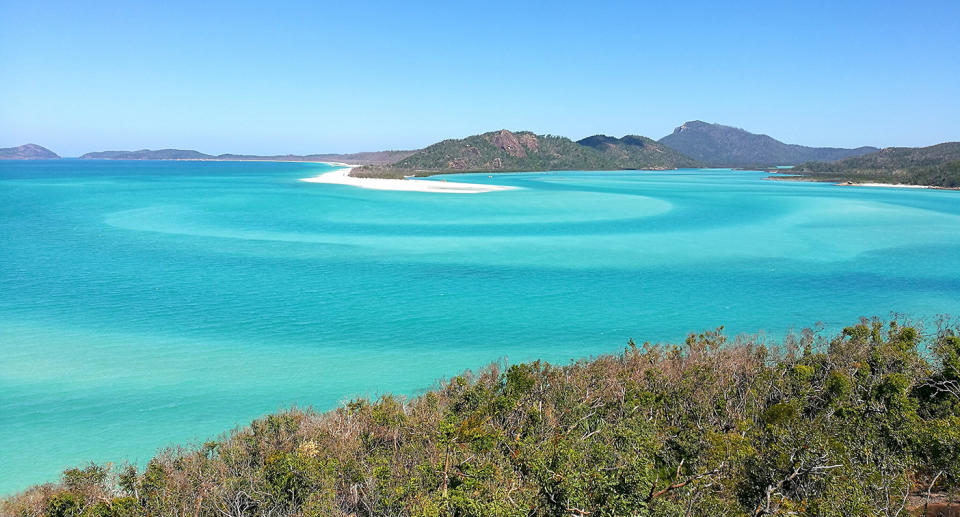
937	165
27	152
724	146
375	157
848	425
508	151
634	151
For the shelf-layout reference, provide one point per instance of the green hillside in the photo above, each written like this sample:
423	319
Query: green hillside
638	152
937	165
506	151
850	425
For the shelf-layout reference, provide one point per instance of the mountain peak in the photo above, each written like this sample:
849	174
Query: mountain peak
692	124
727	146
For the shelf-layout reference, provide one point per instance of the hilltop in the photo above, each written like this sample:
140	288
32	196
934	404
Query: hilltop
509	151
725	146
936	165
375	157
27	152
634	151
849	425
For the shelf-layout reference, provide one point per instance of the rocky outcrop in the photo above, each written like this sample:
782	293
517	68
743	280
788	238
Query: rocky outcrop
508	142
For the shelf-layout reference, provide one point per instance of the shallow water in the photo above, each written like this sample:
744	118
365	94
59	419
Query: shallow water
150	303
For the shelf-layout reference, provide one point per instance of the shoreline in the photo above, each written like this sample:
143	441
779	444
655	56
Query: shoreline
835	183
891	185
342	177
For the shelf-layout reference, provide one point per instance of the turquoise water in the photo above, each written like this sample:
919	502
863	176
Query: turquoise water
149	303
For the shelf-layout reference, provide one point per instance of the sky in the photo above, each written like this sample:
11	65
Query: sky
316	77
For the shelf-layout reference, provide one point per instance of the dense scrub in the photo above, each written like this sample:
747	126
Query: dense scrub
937	165
851	425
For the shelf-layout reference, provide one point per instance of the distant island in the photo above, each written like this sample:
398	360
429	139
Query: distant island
937	165
376	157
27	152
716	145
521	151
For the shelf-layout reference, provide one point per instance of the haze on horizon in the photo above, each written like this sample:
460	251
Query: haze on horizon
297	77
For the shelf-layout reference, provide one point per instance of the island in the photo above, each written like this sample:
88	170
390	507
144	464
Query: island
27	152
936	166
373	157
525	151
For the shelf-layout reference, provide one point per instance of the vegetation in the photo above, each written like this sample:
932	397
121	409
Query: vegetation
506	151
634	151
937	165
725	146
851	425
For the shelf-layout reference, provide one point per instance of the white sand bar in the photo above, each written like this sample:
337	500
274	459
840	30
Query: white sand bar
342	177
888	185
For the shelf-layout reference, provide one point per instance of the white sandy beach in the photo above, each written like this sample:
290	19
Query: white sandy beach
888	185
342	177
855	184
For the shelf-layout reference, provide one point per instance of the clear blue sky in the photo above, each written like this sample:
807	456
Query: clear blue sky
272	77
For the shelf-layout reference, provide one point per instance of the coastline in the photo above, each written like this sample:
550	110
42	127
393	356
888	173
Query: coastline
835	183
890	185
342	177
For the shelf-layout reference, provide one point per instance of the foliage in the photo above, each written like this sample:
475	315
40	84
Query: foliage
937	165
844	426
632	152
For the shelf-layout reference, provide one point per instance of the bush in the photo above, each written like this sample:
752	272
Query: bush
845	426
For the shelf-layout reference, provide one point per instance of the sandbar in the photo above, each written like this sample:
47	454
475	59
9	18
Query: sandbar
343	177
890	185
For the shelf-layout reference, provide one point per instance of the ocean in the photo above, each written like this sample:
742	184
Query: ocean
146	304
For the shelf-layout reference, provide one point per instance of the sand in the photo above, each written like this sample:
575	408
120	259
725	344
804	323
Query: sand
342	177
888	185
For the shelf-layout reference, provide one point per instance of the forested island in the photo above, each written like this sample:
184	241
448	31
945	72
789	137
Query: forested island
866	422
524	151
937	165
